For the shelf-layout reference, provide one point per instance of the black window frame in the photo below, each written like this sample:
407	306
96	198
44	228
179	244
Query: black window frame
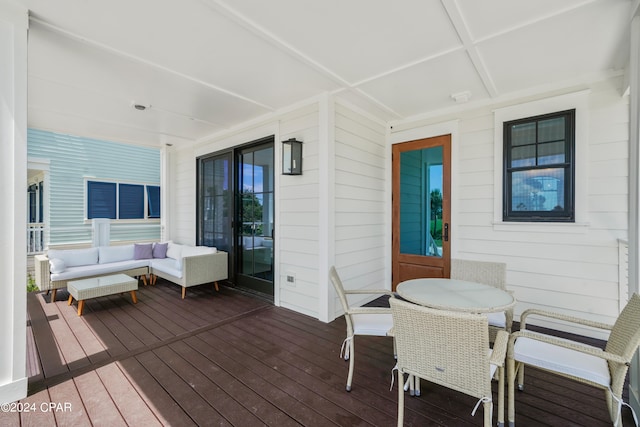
567	213
122	201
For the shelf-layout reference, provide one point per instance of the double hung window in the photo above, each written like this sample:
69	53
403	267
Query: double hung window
539	160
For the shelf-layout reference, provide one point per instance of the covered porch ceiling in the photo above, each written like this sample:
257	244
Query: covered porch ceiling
202	67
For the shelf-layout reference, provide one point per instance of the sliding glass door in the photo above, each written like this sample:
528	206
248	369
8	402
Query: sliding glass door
235	211
255	217
215	200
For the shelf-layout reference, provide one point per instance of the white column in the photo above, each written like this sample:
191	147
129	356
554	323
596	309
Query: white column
634	193
326	229
14	23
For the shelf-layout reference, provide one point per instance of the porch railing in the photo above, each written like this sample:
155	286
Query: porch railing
35	238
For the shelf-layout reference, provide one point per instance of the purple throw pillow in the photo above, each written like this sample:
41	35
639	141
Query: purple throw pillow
142	251
160	250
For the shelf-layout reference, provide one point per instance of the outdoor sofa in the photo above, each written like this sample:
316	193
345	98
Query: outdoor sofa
181	264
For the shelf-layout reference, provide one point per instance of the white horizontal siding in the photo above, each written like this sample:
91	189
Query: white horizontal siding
360	200
299	220
555	267
183	196
71	160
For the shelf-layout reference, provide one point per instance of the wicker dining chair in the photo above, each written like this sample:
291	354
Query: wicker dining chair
489	273
373	321
605	369
450	349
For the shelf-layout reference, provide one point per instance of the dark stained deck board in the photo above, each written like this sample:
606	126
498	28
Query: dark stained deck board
269	382
93	348
225	358
194	405
127	400
44	338
97	401
163	406
323	365
229	409
240	383
73	356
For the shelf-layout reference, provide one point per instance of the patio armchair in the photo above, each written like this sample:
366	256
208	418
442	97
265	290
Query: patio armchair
450	349
605	369
373	321
489	273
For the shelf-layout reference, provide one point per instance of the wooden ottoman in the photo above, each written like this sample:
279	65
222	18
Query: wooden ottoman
100	287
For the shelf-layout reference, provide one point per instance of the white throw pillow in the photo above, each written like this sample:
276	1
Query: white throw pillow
75	257
56	265
116	253
174	251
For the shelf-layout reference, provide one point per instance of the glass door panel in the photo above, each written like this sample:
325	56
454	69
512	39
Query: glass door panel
215	212
255	218
421	202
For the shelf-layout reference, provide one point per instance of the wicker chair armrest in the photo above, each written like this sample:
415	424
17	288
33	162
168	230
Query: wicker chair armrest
369	310
559	316
499	349
572	345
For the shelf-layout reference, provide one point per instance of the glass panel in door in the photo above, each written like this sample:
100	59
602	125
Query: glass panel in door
256	218
216	202
421	202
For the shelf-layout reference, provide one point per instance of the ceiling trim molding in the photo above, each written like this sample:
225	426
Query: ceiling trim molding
266	35
138	59
462	29
526	95
534	21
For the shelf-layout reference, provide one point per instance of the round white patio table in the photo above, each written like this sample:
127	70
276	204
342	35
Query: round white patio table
455	295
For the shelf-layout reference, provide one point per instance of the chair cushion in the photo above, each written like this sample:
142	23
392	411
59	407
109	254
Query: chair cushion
497	319
562	360
372	324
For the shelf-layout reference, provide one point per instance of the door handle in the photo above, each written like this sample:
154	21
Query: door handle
446	232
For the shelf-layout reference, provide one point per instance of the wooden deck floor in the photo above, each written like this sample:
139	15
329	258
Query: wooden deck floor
230	359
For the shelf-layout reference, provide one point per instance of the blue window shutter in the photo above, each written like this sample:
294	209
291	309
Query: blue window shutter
101	200
131	201
153	202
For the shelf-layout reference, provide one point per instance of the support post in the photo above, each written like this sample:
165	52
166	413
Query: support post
14	23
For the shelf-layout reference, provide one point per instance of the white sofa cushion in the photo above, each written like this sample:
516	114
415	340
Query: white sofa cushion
174	250
98	269
166	265
75	257
109	254
56	265
197	250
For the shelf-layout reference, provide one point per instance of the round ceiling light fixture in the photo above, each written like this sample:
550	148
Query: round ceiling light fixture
140	107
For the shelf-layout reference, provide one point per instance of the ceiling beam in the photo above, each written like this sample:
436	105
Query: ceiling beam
460	26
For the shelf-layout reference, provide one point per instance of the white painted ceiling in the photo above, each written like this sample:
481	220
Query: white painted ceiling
204	66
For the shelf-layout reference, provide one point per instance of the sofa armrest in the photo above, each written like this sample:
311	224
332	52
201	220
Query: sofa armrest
42	272
206	268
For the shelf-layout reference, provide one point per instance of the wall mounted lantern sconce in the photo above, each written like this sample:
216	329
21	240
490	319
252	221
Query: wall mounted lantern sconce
292	157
